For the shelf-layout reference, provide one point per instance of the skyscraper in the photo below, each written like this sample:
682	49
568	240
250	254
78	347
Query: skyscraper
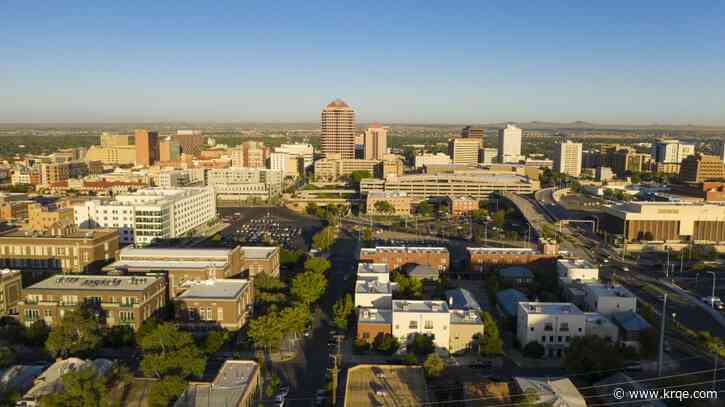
337	124
376	142
169	150
568	158
190	141
671	151
465	151
147	147
509	144
469	131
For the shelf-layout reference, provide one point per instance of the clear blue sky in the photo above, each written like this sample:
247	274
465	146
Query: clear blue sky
393	61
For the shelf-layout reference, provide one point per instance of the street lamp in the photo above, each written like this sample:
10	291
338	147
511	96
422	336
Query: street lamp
712	297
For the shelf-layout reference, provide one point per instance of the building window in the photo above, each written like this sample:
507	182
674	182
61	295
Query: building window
220	314
31	314
549	326
564	327
428	324
551	338
532	329
413	325
543	339
126	316
559	339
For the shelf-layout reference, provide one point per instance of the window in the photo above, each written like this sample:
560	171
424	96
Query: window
366	335
47	313
559	339
93	300
564	327
220	314
549	326
543	339
31	314
532	329
126	316
580	329
428	324
413	325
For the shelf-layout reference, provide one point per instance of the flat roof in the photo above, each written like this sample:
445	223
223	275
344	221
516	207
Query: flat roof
227	289
419	306
374	315
227	389
576	263
550	308
77	234
409	249
385	386
502	250
380	268
372	287
606	290
172	252
465	317
460	298
258	252
95	283
165	265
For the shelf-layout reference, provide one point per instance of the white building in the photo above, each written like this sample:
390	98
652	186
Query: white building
422	317
489	155
373	293
150	214
290	165
571	270
552	324
568	158
671	151
607	299
302	150
427	159
238	183
175	178
509	144
373	271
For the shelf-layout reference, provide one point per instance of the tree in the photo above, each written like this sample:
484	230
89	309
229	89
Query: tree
342	309
433	365
490	342
7	356
264	331
290	257
317	265
170	352
383	207
357	176
360	345
387	344
166	390
119	336
478	215
424	209
591	353
75	335
265	282
499	218
534	350
325	238
81	388
421	344
311	209
367	234
408	287
270	387
294	319
308	287
214	341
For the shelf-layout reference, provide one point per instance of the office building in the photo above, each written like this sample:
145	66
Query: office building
568	158
376	142
184	268
720	150
52	173
112	155
305	151
223	303
251	154
411	317
700	168
147	147
61	248
114	140
626	161
668	151
125	300
392	165
238	184
551	324
425	186
337	130
11	287
489	155
398	257
385	386
236	385
465	151
333	167
260	259
190	141
473	132
169	150
425	159
603	174
461	205
509	144
150	214
608	299
177	178
399	202
289	165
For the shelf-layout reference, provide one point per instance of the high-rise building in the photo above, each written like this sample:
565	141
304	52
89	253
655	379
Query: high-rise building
568	158
473	132
250	154
376	142
509	144
699	168
668	151
465	151
488	155
147	147
169	150
720	150
115	140
337	125
305	151
190	141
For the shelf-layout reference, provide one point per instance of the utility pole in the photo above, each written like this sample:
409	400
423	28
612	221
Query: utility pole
662	336
714	371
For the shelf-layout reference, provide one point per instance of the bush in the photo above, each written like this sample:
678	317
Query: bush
534	350
421	345
360	346
387	344
410	359
433	365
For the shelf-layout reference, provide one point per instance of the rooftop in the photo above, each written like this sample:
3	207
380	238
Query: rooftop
214	289
94	283
385	386
259	252
173	254
381	268
462	299
227	389
549	308
403	249
337	104
372	287
495	178
502	250
164	265
597	319
515	272
630	321
465	317
75	234
509	300
607	290
560	393
387	194
419	306
374	315
576	263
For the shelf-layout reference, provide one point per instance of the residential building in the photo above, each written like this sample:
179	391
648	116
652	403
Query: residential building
509	144
150	214
11	287
376	142
183	267
373	323
147	147
557	392
481	259
700	168
440	185
373	294
465	330
608	299
599	325
399	202
237	184
337	130
385	386
411	317
516	276
50	381
461	299
461	205
489	155
42	217
551	324
115	140
237	384
251	154
223	303
508	301
190	141
61	248
125	300
25	176
668	151
373	271
568	158
577	270
631	327
333	167
425	159
260	259
169	150
395	258
465	151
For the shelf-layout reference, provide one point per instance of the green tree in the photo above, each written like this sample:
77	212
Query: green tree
424	209
341	311
433	365
264	331
387	344
163	392
270	386
290	258
311	209
421	345
367	234
534	350
308	287
360	345
76	334
214	341
499	218
317	265
7	356
357	176
325	238
408	287
81	388
383	207
479	215
167	351
294	319
263	282
591	353
120	336
490	342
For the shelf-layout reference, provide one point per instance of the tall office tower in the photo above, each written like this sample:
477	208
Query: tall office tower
190	141
337	124
251	154
509	144
670	151
568	158
376	142
169	150
469	131
147	147
465	151
700	168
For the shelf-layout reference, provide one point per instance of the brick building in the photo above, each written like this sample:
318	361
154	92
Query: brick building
489	258
10	291
258	259
224	303
374	322
397	258
460	205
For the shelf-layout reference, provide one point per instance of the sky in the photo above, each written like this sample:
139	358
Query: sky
634	62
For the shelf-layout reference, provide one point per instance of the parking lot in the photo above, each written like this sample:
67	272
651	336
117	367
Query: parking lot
268	226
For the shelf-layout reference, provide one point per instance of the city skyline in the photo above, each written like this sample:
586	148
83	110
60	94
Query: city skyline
651	63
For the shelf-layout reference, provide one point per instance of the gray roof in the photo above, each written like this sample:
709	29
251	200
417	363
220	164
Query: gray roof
49	381
557	393
258	252
374	315
165	265
95	283
422	271
227	389
515	273
173	253
20	377
419	306
509	300
630	321
462	299
215	289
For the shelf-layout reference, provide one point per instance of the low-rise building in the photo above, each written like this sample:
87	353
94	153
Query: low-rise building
11	286
515	275
599	325
125	300
373	293
411	317
508	301
481	259
373	323
558	392
373	271
238	183
477	186
577	270
260	259
551	324
465	330
461	205
224	303
50	381
385	386
236	384
397	257
400	203
41	217
609	299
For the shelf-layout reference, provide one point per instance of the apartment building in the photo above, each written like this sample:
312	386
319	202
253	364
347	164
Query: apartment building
608	299
373	294
465	329
260	259
333	167
551	324
373	271
125	300
114	140
224	303
250	154
183	267
112	155
236	184
150	214
481	259
398	257
477	186
568	158
375	142
426	159
465	151
236	385
337	130
701	168
573	270
373	323
412	317
399	202
61	248
509	144
11	287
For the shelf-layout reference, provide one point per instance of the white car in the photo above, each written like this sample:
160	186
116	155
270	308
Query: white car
714	302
